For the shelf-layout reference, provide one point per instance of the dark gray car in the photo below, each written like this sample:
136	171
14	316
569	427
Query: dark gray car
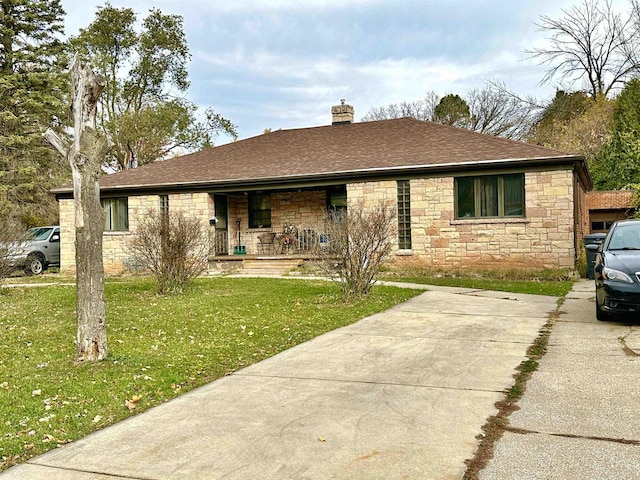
617	271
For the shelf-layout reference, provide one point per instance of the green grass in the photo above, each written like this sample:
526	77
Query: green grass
557	288
159	347
551	282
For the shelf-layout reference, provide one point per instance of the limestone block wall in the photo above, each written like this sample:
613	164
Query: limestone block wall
304	209
544	238
67	236
114	244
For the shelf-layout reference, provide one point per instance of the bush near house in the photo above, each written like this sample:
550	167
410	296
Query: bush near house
174	247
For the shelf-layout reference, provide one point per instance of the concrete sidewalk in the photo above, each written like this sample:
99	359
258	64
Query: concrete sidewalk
398	395
579	417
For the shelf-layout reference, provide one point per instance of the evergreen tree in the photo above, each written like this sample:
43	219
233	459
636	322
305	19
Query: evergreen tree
452	110
32	95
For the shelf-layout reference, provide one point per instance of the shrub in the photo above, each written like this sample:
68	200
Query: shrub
358	241
174	247
10	235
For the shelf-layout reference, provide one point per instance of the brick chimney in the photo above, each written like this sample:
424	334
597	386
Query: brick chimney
342	114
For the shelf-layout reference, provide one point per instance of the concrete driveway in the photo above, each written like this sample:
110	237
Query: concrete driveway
398	395
579	415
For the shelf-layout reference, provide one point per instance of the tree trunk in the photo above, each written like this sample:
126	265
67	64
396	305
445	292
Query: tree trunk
86	156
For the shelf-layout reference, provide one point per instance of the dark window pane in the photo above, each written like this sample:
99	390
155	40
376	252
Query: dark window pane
514	195
259	210
220	207
466	203
337	200
488	196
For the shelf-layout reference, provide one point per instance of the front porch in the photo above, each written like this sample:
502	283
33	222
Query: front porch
272	223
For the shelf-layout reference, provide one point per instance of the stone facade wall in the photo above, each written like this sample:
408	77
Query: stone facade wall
114	244
544	238
304	209
67	236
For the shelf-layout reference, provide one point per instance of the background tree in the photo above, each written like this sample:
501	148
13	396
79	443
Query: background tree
618	164
452	110
575	123
591	43
496	111
140	113
492	110
33	88
419	109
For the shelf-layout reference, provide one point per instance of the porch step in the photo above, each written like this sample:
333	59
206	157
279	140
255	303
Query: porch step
269	266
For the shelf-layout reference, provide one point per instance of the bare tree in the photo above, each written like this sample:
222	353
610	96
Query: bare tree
419	109
357	243
593	43
492	110
86	155
174	247
496	111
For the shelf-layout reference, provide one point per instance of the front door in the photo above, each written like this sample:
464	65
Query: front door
221	235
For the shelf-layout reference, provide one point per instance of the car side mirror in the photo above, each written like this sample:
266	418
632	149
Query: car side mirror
54	238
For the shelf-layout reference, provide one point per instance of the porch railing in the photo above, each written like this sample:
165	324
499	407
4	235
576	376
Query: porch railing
220	242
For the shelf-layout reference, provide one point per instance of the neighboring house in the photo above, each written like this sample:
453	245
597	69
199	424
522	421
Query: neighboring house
607	207
464	200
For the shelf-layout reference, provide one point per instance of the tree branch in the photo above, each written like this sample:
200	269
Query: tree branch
62	146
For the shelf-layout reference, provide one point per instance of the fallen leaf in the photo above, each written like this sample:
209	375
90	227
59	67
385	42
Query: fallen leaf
130	405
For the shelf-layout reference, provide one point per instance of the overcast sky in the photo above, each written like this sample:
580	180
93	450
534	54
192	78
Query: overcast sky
283	63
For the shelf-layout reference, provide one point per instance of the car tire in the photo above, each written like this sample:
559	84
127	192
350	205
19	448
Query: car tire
35	265
601	314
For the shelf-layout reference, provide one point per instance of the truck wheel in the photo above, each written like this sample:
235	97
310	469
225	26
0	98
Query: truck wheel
35	265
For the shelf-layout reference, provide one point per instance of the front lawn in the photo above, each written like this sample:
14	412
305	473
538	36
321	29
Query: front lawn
552	282
159	347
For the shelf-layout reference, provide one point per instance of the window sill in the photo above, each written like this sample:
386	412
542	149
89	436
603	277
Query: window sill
484	221
404	253
116	233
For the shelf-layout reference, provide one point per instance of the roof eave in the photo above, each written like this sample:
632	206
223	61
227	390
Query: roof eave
288	180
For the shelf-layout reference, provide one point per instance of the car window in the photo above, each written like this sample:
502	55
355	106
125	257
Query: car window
625	237
38	233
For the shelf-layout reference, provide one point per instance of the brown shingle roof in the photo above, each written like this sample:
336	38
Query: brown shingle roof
610	200
321	151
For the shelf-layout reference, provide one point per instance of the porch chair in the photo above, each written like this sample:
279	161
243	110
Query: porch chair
267	239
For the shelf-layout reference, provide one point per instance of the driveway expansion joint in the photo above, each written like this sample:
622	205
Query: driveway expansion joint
91	472
524	431
368	382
